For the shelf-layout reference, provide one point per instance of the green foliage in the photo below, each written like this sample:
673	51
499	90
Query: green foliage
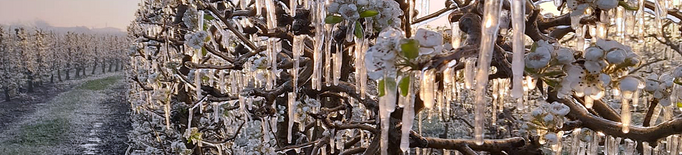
410	49
333	19
358	30
404	85
369	13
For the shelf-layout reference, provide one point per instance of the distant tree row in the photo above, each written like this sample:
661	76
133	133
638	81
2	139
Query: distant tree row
30	58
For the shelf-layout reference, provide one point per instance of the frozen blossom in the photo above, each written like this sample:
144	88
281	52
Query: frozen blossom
349	11
333	7
541	56
191	18
551	138
564	56
629	84
559	109
381	57
430	41
593	53
616	56
196	40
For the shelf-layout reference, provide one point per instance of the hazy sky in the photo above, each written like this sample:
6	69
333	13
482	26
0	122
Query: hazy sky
69	13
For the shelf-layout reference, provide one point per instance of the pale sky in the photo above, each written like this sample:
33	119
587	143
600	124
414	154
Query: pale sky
70	13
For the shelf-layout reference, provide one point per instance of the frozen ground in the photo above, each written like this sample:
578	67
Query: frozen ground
87	116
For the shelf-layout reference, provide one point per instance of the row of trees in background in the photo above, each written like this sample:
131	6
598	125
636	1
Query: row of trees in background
32	57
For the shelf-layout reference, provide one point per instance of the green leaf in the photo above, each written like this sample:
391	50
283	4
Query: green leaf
208	17
381	87
203	51
332	19
404	85
358	30
410	49
368	13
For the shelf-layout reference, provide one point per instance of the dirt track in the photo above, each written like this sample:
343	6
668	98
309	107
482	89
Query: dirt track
90	118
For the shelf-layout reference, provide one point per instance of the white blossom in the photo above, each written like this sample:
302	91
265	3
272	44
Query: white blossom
616	56
593	53
594	67
196	40
559	109
428	38
349	12
564	56
333	7
541	56
551	138
629	84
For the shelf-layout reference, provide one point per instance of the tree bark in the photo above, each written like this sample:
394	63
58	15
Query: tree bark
104	66
118	65
78	71
94	67
59	74
111	64
30	83
68	77
7	96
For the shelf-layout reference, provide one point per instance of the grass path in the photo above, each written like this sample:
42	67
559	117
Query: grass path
78	121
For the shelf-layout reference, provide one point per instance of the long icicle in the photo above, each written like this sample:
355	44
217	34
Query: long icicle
408	117
488	35
519	26
625	115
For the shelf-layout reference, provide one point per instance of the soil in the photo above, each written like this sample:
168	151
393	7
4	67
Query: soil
19	106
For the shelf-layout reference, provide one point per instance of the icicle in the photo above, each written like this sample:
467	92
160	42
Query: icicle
620	23
625	115
575	142
469	72
456	35
589	102
594	145
291	106
386	106
656	114
646	149
660	14
272	14
672	144
426	89
297	49
408	118
293	4
489	34
519	26
327	66
580	38
338	61
630	147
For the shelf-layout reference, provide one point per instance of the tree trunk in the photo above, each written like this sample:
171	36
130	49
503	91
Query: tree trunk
30	83
51	78
104	66
118	65
59	74
67	74
83	71
78	72
7	97
94	67
111	64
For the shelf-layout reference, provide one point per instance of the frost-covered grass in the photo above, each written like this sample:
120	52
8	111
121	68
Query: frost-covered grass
100	84
53	127
46	132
